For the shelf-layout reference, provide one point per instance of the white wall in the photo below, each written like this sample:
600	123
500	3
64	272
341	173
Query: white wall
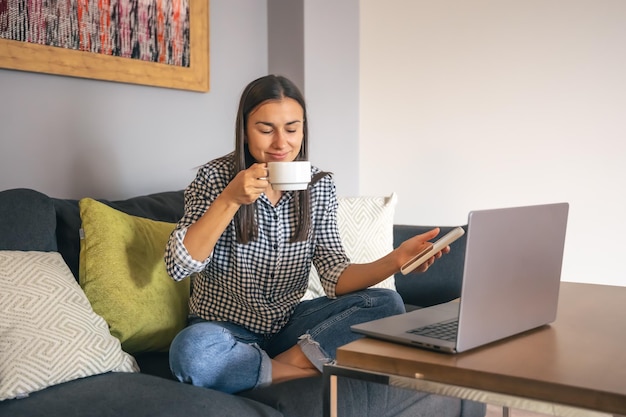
331	69
72	137
485	103
523	100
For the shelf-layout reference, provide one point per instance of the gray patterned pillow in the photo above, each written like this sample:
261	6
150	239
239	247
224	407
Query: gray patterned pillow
49	333
366	230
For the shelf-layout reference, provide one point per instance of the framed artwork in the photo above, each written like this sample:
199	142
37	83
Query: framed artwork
162	43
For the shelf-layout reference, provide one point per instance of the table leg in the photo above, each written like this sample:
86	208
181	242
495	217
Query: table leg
330	394
333	396
330	377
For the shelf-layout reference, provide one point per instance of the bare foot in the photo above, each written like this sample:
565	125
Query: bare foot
292	364
294	356
284	372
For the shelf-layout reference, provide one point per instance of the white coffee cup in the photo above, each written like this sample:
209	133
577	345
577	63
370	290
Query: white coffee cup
294	175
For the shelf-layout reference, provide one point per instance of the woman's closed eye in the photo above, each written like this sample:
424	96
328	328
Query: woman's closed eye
270	131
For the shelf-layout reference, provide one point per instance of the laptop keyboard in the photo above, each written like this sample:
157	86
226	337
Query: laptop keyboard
444	331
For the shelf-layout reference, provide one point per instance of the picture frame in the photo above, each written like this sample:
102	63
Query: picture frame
25	56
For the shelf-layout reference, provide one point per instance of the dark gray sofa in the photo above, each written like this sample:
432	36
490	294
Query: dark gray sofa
32	221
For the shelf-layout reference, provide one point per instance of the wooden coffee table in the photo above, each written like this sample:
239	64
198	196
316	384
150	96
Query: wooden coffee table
574	365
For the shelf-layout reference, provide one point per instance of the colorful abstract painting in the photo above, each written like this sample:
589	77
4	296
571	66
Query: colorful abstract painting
149	30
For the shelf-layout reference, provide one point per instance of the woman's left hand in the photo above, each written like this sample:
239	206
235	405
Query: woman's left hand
411	247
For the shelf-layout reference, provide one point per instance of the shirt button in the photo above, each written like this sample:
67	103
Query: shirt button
275	246
275	216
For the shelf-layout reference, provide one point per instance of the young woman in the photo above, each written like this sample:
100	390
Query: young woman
250	249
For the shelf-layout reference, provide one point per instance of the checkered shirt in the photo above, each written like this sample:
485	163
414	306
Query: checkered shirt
259	284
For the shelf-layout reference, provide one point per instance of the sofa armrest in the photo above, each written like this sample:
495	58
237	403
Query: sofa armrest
442	282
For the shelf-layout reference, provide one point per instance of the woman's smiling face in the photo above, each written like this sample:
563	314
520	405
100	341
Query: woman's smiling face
275	130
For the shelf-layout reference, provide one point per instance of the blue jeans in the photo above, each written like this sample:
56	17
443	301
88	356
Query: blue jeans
227	357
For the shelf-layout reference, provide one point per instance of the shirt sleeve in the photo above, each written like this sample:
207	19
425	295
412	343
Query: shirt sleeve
199	196
329	257
179	262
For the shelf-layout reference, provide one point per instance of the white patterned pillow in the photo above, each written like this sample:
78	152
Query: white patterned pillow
366	229
49	333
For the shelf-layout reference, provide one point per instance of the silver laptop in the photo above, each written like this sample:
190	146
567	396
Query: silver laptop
511	278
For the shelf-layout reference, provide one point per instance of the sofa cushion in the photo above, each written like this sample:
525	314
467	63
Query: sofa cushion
366	229
132	395
165	206
49	333
27	221
123	274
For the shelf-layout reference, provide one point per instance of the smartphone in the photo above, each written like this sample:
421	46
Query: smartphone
432	249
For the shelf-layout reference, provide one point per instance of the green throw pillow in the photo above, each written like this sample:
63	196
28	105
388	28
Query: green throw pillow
123	274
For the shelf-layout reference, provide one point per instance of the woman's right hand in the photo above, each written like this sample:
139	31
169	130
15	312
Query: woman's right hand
248	185
245	188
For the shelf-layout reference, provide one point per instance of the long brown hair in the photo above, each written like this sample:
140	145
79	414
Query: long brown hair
269	87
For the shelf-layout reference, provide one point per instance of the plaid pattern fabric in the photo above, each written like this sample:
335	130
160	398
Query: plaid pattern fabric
257	285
